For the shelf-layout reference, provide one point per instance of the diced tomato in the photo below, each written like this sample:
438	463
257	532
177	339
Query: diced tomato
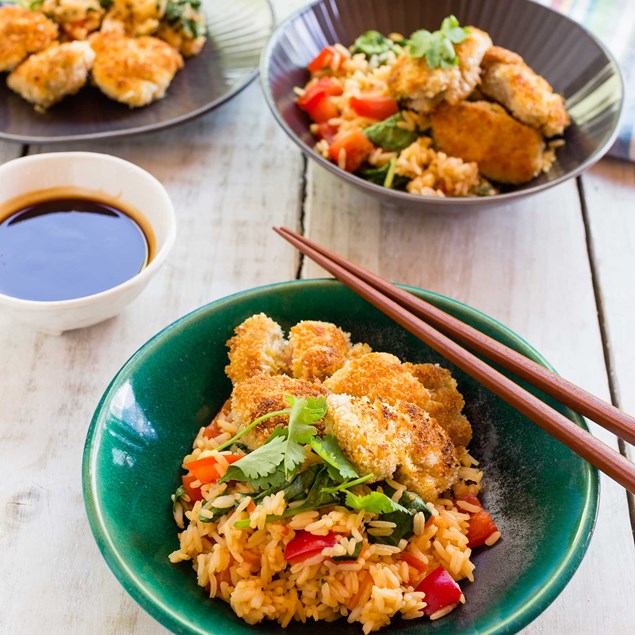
193	492
440	589
322	108
322	60
413	561
305	545
374	106
208	470
481	527
326	131
357	147
211	431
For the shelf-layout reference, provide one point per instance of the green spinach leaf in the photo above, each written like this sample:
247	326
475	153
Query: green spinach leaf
388	135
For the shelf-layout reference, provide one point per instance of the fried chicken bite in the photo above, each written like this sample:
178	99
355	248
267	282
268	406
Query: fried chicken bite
258	347
76	18
47	77
378	375
446	402
183	27
262	394
134	71
22	32
133	18
507	79
506	150
422	88
393	439
317	349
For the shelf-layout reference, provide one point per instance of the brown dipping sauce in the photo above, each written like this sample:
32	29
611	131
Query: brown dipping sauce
67	243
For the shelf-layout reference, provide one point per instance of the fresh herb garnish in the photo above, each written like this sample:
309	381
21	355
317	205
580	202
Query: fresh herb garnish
338	465
375	502
438	46
388	135
372	43
284	447
184	13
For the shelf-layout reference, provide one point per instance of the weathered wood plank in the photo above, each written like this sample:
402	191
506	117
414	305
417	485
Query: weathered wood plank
527	266
231	175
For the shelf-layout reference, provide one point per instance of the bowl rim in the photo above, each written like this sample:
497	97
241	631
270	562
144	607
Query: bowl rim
141	277
406	197
178	623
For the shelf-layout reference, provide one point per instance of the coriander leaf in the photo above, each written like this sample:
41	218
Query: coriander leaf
274	481
451	28
372	43
347	483
260	462
328	448
300	431
375	502
252	425
388	135
438	47
349	557
419	43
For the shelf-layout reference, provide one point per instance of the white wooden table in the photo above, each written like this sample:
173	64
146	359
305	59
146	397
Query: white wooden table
558	268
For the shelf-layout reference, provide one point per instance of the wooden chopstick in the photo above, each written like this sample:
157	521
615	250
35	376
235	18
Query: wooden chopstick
577	439
587	404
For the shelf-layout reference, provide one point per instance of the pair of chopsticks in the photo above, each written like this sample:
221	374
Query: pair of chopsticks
408	311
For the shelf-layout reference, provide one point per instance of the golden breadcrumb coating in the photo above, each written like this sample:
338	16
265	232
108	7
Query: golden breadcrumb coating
134	71
184	28
258	346
378	375
76	18
134	17
317	349
422	88
22	32
446	402
506	78
389	439
47	77
506	150
262	394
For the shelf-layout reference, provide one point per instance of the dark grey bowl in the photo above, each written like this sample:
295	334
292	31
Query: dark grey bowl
229	61
576	64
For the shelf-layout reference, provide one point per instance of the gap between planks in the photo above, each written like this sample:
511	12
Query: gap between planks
602	323
302	197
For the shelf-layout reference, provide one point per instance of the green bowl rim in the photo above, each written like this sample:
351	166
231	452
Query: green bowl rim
171	619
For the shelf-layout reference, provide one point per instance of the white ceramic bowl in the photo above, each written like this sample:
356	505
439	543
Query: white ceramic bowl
118	180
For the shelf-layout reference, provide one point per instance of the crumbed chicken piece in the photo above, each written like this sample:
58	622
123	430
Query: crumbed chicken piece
446	402
390	439
76	18
378	375
506	78
262	394
134	71
183	27
506	150
258	347
22	32
317	349
421	88
138	17
47	77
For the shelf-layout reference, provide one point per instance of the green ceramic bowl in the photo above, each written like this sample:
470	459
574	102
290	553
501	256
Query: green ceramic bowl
543	497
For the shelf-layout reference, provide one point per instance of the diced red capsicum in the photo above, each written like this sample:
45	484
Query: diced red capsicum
481	525
194	493
374	106
208	469
440	590
357	147
326	131
304	545
316	100
322	60
413	561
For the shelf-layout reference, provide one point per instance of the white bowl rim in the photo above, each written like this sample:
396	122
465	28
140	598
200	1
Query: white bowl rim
139	278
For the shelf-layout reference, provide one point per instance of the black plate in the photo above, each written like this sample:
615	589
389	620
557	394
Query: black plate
574	62
229	61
